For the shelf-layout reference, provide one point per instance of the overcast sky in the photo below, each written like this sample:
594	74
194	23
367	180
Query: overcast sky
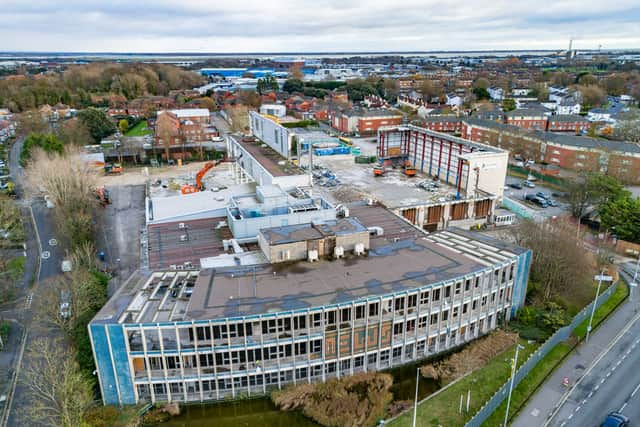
315	25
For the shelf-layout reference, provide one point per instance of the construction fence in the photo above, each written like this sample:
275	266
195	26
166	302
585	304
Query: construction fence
559	336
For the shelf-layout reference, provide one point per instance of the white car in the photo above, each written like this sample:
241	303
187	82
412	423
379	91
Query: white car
217	139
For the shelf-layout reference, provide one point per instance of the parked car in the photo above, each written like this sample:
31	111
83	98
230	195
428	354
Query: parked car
516	185
552	203
541	202
528	184
542	195
615	419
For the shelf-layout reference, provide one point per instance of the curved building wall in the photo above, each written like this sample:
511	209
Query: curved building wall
204	360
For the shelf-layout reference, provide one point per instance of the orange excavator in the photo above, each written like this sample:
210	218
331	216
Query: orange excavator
188	188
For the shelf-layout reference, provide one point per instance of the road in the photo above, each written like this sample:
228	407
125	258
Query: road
612	383
602	374
44	257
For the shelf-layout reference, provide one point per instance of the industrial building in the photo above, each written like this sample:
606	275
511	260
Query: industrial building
475	173
222	332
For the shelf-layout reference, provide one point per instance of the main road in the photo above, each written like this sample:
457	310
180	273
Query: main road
611	383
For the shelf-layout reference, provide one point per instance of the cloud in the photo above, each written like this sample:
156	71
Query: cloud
318	26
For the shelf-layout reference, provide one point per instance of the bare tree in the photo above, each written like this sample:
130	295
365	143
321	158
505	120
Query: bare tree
561	266
58	392
239	115
70	183
79	289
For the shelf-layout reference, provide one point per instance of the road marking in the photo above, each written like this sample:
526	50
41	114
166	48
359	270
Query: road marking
623	406
564	423
27	303
618	364
53	242
596	387
589	395
635	390
570	416
577	408
45	255
602	380
602	354
584	401
608	374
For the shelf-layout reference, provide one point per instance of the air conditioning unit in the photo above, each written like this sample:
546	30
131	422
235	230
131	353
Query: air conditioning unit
188	264
359	249
172	267
375	231
338	252
181	225
184	238
312	256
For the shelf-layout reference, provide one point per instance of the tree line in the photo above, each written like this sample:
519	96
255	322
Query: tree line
77	85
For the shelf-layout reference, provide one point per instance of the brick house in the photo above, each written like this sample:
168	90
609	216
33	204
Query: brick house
364	122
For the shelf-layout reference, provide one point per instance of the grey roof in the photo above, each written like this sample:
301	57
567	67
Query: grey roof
303	232
567	118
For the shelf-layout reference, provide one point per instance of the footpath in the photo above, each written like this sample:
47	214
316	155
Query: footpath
542	404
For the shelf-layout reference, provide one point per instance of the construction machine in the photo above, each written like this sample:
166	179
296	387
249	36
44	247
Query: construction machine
113	169
188	188
102	194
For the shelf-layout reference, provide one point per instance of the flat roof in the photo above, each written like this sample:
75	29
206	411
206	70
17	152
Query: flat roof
170	244
303	232
269	158
402	265
184	205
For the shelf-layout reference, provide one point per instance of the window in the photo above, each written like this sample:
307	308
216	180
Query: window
458	288
474	304
467	285
399	303
447	291
360	312
203	333
465	308
372	359
397	328
373	309
330	317
455	311
345	315
397	352
422	322
299	322
436	294
424	297
484	301
434	319
315	319
411	325
477	285
445	315
511	271
412	301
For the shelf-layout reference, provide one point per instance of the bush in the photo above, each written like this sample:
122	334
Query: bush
47	141
358	400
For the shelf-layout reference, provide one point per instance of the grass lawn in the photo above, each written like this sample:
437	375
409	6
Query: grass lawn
139	130
442	409
5	327
15	268
548	364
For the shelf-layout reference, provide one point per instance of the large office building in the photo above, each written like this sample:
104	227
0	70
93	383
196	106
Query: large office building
368	301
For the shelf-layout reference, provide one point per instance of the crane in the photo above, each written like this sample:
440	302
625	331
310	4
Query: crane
188	188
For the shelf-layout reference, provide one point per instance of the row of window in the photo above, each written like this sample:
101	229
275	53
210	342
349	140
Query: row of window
331	319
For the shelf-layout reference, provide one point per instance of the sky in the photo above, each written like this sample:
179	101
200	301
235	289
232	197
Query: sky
315	25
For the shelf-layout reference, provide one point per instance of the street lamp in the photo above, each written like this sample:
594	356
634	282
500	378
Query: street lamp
600	278
513	378
415	400
634	283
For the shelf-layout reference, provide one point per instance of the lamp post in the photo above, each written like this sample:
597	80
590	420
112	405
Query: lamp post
634	283
415	400
513	378
600	278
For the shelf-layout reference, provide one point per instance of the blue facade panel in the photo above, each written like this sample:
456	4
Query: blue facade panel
103	363
520	282
121	364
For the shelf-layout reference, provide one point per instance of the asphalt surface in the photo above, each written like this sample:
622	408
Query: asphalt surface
519	196
45	253
612	384
603	377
